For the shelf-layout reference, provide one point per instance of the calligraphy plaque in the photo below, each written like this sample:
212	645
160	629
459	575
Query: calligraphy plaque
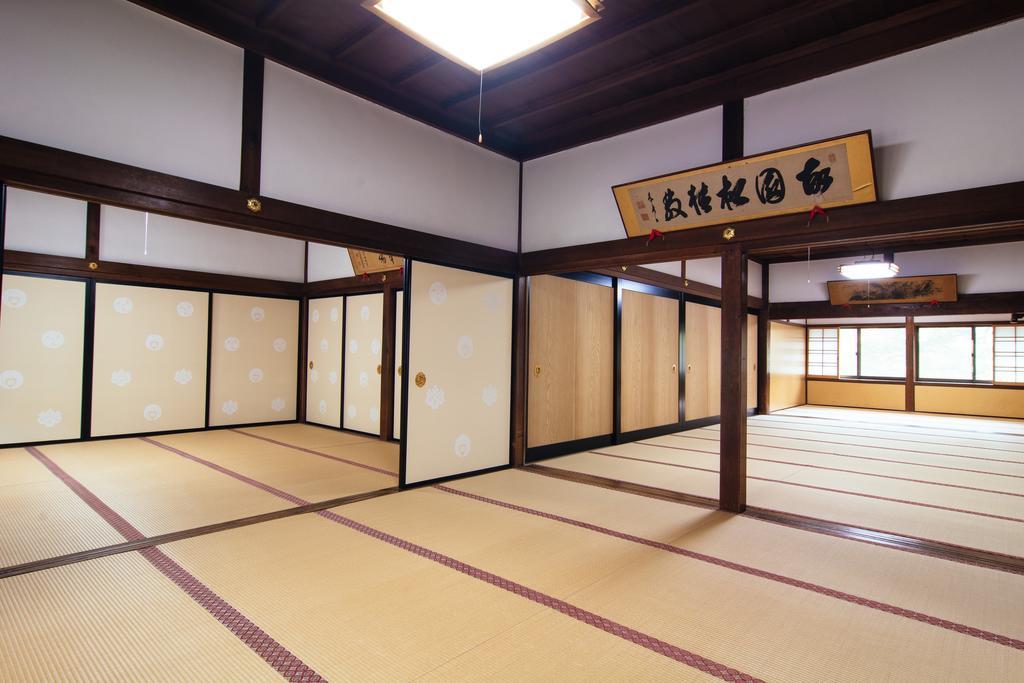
893	290
364	262
835	172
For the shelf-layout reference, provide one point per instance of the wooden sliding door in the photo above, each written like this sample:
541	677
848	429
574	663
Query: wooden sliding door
458	374
649	379
703	361
572	330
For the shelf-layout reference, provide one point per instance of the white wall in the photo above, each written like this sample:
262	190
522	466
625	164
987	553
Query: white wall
327	262
944	117
110	79
178	243
326	148
567	197
44	223
981	268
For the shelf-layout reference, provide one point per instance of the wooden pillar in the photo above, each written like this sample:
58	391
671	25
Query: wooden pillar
732	130
300	398
387	365
763	330
733	436
252	123
911	362
92	232
520	343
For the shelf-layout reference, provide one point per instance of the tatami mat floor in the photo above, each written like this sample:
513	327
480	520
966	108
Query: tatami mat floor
954	480
175	482
511	576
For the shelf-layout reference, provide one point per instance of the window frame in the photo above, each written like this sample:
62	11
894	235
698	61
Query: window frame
974	354
1018	329
858	377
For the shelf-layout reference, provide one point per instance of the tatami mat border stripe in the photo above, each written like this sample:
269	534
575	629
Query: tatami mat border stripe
939	549
870	430
644	640
839	469
902	424
318	453
260	642
753	571
626	633
842	455
120	524
887	448
825	488
231	473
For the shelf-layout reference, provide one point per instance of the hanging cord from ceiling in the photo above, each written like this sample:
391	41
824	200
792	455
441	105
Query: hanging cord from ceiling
480	112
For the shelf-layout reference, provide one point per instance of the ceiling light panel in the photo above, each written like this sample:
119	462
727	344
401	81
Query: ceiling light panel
483	34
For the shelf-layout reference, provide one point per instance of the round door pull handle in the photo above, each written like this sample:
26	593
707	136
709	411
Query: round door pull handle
689	368
536	371
674	366
421	379
399	370
310	365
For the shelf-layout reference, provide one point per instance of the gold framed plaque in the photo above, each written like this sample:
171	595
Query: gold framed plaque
829	173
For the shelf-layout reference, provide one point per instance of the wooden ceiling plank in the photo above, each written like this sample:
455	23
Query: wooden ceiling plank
863	44
355	39
416	68
702	48
273	10
601	40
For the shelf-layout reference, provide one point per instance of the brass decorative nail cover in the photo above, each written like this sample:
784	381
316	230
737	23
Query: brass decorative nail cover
728	233
421	379
93	265
254	204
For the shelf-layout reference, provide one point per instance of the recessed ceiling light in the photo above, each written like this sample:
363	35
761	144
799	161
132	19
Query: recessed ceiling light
482	34
869	270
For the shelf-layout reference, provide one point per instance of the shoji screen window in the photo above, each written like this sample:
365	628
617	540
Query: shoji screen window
823	352
856	352
1009	355
955	354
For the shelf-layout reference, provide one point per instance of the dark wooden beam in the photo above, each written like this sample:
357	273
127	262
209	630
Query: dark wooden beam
92	232
57	171
356	284
303	376
649	276
996	302
732	130
950	239
273	10
416	68
520	370
387	363
689	52
763	341
599	37
908	30
911	338
252	124
356	38
959	209
130	273
733	435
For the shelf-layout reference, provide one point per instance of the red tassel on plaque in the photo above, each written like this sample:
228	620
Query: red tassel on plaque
934	303
364	277
816	211
654	233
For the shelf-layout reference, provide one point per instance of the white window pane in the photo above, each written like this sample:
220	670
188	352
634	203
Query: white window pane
983	354
883	352
848	352
945	353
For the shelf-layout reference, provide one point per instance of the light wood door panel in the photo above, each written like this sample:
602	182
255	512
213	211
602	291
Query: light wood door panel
594	346
571	360
552	390
649	357
787	358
